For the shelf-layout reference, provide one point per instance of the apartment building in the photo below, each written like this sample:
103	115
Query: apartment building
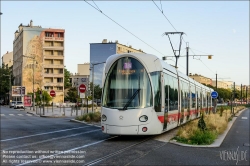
7	59
99	52
201	79
38	59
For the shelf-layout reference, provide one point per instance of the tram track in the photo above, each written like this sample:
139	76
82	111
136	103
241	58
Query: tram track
93	162
51	139
67	151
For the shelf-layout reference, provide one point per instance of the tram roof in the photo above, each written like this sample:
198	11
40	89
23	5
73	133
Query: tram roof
152	63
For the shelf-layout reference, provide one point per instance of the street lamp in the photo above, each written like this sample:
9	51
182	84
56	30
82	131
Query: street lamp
33	103
9	85
93	93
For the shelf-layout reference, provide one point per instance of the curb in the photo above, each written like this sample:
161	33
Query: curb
77	121
32	113
54	116
218	141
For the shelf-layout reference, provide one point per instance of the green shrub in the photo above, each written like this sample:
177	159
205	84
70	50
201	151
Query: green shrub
90	117
203	137
201	123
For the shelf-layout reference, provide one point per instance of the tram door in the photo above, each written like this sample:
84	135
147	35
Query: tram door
165	96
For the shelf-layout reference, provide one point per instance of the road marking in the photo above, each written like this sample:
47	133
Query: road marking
243	117
2	115
29	115
67	151
52	139
10	139
20	114
11	114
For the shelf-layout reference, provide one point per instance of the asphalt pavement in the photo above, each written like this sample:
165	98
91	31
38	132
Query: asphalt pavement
57	112
34	133
234	149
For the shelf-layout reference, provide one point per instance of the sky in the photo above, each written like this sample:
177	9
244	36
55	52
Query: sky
218	28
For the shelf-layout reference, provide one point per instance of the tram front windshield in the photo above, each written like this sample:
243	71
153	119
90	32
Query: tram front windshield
127	86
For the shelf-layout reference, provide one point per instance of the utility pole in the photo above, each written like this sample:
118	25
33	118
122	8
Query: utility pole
179	50
246	95
187	44
93	85
216	81
241	94
187	56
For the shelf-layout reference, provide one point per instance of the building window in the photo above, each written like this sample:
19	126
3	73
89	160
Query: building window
59	79
59	88
48	34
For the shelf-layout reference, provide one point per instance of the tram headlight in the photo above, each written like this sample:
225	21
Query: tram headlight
143	118
104	118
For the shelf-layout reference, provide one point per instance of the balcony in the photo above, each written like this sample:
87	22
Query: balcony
54	38
53	84
53	66
53	47
53	56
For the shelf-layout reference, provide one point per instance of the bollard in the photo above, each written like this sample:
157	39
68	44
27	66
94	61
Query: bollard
60	108
64	110
71	110
43	110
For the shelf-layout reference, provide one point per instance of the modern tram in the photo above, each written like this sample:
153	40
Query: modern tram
143	95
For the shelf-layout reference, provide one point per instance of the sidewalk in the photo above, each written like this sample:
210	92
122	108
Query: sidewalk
57	112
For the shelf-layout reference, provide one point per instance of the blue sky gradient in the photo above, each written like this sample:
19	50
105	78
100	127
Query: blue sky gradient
211	27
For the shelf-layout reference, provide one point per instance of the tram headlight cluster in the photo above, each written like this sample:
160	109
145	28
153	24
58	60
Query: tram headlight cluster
104	118
143	118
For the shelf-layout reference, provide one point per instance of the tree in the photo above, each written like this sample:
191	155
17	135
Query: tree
46	98
97	91
67	83
5	87
72	95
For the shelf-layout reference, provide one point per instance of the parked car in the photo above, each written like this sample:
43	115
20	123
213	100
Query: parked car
12	104
19	104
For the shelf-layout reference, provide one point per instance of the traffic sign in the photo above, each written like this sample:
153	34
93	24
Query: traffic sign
82	88
52	93
214	94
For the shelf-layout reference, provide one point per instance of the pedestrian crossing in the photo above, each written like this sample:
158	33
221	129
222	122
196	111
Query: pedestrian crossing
16	115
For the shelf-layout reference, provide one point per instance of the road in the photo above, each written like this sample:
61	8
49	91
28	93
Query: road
57	141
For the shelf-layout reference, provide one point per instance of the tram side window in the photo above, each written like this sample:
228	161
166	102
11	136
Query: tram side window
209	100
171	93
156	79
204	99
201	99
192	91
198	98
184	94
208	96
175	93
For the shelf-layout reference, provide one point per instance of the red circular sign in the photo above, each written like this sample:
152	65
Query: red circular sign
82	88
52	93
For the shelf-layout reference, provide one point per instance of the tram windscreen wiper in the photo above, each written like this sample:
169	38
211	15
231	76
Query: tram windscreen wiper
130	100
